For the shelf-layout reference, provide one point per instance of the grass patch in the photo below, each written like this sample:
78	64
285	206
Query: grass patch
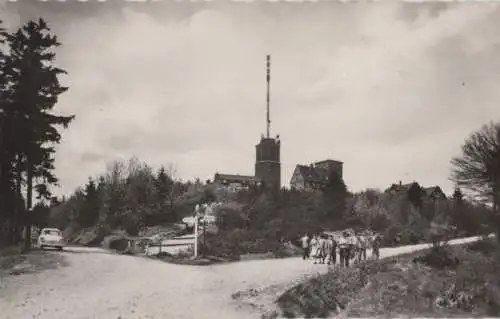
13	261
410	285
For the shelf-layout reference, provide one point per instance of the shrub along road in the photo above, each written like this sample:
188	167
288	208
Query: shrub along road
98	284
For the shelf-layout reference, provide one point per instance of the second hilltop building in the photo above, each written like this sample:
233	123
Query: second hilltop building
314	176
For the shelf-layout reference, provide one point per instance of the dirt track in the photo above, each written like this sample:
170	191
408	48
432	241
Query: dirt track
97	284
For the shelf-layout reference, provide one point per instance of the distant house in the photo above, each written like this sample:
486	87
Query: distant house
314	176
234	183
433	192
401	188
308	178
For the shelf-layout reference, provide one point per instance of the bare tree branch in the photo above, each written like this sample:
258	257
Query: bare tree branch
477	169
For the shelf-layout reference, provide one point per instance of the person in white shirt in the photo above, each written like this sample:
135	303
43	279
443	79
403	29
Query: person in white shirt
362	245
315	249
321	255
353	245
376	246
330	250
305	247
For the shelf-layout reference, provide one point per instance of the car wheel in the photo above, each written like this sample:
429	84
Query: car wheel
42	247
60	248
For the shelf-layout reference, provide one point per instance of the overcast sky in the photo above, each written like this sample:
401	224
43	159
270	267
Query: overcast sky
390	89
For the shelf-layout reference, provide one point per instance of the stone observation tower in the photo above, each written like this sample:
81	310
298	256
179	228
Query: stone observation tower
267	162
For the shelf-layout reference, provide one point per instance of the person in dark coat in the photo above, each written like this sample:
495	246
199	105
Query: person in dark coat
333	253
345	247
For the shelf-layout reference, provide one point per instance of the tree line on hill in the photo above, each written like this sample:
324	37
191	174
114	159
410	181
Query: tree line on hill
29	127
268	220
404	218
132	195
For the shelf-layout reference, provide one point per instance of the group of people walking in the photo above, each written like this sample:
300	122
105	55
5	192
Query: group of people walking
322	248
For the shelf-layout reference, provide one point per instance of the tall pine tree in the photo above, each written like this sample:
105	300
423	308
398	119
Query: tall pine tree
10	201
335	196
34	89
164	185
89	214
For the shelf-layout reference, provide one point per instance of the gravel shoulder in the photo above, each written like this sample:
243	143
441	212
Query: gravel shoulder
93	283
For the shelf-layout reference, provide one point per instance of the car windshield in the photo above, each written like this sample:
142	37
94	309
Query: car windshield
53	232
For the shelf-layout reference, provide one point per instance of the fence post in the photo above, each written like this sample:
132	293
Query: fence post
196	236
204	235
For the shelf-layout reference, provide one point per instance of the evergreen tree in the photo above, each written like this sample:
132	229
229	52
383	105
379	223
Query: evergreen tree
335	196
208	196
165	190
33	92
458	196
415	195
163	185
9	199
91	206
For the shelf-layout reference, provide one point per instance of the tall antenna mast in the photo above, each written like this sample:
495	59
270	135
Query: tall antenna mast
268	64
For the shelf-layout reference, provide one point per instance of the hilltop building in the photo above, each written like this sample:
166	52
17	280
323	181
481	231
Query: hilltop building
433	192
235	183
267	157
314	176
267	161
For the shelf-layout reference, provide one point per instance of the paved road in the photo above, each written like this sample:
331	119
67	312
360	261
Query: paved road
97	284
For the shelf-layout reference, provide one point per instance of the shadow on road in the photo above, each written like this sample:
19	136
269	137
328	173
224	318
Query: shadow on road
78	250
89	251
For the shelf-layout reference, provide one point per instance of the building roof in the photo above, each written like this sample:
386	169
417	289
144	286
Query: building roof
329	160
401	187
269	140
236	178
313	174
429	191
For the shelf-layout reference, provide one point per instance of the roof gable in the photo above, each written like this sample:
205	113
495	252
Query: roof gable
402	187
329	161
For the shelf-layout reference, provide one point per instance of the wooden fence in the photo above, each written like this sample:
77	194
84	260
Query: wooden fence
171	245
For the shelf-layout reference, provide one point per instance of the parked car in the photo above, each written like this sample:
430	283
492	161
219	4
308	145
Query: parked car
51	237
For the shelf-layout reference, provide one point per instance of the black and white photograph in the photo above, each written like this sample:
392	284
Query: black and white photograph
170	159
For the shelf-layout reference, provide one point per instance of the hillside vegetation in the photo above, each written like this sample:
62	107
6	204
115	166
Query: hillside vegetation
409	285
132	198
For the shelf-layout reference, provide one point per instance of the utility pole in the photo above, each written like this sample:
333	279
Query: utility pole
204	232
196	216
268	119
195	236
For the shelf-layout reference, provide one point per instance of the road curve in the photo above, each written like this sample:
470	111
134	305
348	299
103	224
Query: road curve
98	284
